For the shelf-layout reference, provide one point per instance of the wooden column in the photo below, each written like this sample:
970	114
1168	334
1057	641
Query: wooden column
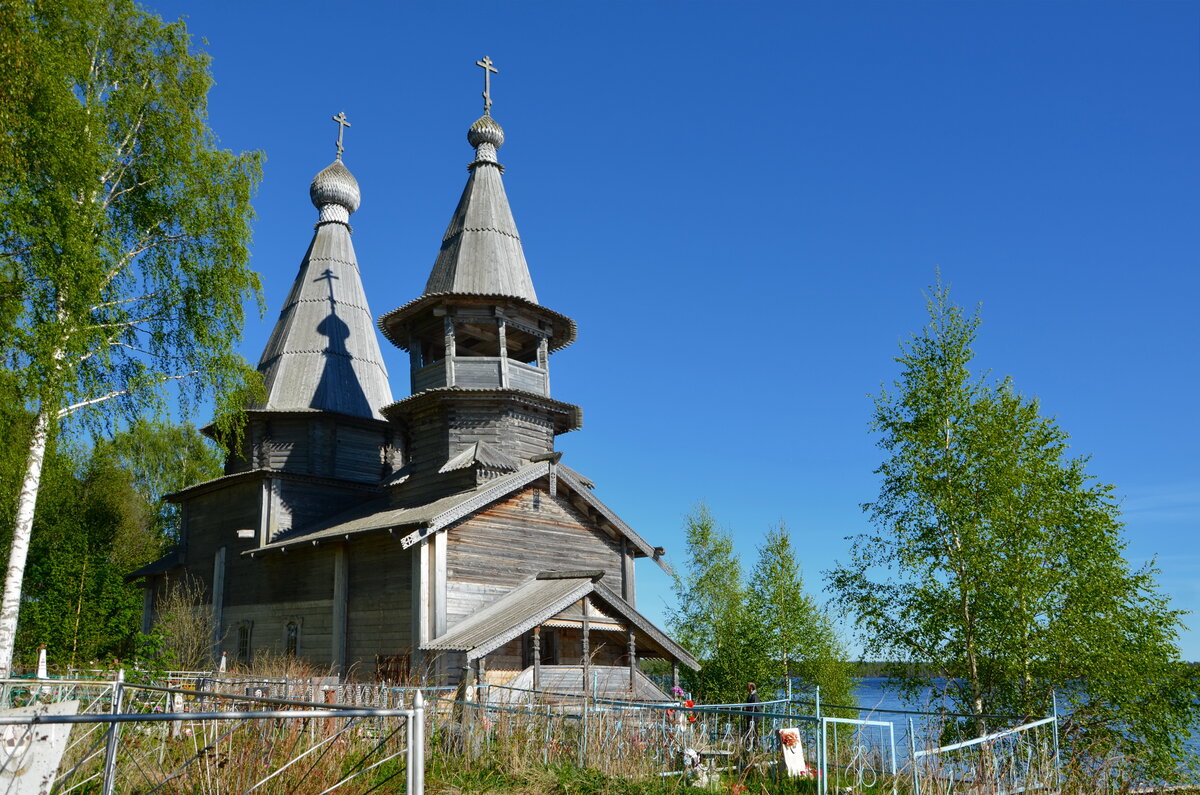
587	650
420	613
448	328
537	658
543	359
414	362
632	660
674	673
218	600
438	583
341	592
502	333
148	608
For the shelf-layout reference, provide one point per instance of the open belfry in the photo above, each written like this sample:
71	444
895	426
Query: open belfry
435	536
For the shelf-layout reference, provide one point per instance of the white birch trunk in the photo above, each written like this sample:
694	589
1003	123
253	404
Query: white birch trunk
10	606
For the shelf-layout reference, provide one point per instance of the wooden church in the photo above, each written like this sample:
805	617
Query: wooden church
433	535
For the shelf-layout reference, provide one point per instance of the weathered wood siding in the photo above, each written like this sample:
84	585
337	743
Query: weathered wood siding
379	613
493	551
212	520
505	663
323	445
269	624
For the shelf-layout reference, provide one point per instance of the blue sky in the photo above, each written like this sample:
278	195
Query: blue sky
741	205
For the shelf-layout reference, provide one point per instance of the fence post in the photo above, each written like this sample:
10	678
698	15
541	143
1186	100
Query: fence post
418	739
1057	761
110	751
912	744
822	762
410	753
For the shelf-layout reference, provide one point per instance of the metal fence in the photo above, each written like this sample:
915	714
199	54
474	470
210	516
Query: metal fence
1021	759
206	733
148	739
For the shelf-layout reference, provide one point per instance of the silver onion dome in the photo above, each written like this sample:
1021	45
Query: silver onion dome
337	186
486	131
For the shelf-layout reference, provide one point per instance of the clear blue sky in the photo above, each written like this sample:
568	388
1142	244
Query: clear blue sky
741	205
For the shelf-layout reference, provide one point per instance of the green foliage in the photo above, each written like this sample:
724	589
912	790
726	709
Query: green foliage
123	233
123	226
997	564
752	632
712	621
162	458
92	528
797	634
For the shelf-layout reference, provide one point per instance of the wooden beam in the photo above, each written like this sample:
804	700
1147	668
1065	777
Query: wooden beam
439	584
537	657
587	651
448	331
218	600
632	660
341	592
420	624
543	360
502	333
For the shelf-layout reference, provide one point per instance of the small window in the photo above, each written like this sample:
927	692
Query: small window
243	643
291	640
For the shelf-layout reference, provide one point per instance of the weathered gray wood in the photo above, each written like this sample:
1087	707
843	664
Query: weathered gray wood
502	343
448	325
632	659
587	642
537	657
439	583
341	584
218	599
543	360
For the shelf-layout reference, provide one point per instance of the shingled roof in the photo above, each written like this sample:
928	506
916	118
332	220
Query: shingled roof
481	250
538	601
324	352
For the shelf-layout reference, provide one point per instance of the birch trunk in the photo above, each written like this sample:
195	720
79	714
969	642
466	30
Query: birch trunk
10	605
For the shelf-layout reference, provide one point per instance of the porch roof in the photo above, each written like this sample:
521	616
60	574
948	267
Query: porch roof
538	601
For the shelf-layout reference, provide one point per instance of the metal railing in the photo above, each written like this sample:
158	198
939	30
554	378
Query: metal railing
156	739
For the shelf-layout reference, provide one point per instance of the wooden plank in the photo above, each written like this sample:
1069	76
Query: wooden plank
341	576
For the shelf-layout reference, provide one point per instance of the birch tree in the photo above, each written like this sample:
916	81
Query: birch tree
797	634
996	562
123	230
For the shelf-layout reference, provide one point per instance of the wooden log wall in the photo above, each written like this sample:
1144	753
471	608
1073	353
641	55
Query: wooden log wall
501	547
380	594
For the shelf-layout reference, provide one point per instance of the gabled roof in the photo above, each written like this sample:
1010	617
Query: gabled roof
536	602
423	520
167	562
323	352
483	455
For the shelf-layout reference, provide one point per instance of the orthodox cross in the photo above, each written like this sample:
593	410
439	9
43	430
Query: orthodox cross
328	276
342	125
488	71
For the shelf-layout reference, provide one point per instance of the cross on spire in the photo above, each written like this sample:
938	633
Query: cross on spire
342	125
488	71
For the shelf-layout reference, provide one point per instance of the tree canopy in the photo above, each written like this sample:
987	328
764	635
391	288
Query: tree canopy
123	230
761	630
997	562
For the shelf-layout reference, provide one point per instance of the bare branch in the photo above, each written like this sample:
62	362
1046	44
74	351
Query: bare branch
107	304
68	410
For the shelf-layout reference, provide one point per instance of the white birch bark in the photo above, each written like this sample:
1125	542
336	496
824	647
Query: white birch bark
10	605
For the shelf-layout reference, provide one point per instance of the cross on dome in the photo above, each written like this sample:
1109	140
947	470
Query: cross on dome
488	71
342	125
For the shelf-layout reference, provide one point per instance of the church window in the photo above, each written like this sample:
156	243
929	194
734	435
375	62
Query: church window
291	640
243	643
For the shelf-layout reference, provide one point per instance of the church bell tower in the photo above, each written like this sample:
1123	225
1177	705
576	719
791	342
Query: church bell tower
479	345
